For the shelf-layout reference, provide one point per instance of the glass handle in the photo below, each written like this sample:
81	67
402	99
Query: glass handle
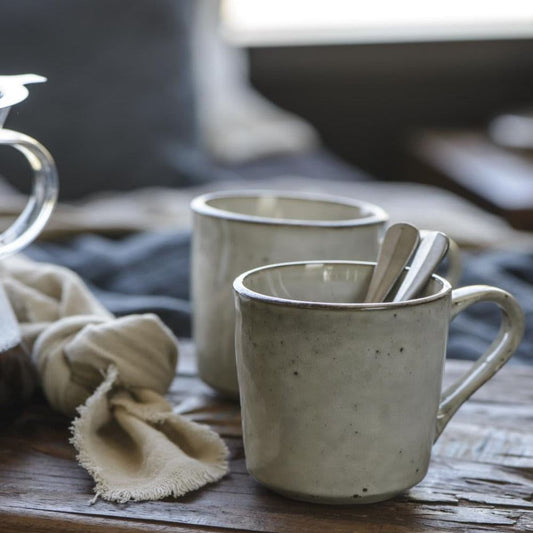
41	203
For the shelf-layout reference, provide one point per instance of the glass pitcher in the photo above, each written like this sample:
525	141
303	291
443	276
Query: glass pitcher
45	184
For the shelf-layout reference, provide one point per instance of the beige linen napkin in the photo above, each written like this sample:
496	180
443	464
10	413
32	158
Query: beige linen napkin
112	374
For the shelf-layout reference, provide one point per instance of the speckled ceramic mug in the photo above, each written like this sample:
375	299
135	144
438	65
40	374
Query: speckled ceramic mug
238	230
341	401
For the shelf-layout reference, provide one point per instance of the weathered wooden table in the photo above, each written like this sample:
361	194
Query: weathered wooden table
480	479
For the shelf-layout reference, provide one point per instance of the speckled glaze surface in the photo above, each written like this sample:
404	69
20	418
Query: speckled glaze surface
236	231
341	402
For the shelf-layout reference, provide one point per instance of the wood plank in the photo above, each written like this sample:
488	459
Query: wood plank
17	519
487	444
512	384
440	502
480	479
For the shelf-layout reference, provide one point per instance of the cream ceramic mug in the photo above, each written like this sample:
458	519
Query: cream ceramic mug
341	401
238	230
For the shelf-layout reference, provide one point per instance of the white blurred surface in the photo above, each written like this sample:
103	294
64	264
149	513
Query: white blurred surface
261	22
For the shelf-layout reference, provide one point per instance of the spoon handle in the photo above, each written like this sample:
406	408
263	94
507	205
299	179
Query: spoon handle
432	249
398	245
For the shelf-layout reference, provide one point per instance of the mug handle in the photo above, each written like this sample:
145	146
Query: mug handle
43	198
508	339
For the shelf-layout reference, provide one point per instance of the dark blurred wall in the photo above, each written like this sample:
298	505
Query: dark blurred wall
117	111
366	100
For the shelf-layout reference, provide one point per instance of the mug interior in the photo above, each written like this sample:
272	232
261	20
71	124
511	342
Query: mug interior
289	208
321	283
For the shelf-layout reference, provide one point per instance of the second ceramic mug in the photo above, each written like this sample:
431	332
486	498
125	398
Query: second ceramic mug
236	231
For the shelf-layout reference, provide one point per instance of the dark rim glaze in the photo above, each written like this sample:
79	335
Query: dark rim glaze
377	215
244	292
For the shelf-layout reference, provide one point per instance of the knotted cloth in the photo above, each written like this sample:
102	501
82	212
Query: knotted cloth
111	374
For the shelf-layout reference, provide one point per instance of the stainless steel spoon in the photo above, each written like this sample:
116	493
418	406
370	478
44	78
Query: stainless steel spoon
432	249
398	245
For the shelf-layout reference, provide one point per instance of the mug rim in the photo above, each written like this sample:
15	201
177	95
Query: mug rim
201	206
242	290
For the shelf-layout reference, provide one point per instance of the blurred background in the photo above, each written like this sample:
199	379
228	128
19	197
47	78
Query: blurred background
171	93
438	92
425	108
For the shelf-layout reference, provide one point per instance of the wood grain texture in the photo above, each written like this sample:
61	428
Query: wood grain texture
480	479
